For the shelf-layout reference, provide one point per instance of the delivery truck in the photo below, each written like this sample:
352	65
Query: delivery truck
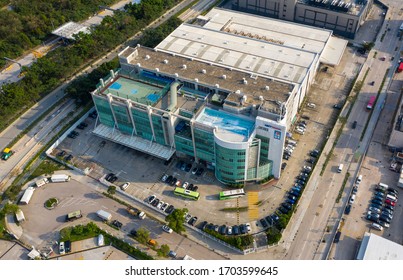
106	216
57	178
41	182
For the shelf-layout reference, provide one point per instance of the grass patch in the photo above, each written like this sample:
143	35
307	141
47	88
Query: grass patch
235	209
48	166
241	242
342	187
51	202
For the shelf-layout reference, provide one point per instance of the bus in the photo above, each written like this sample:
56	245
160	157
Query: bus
73	216
186	193
232	194
371	102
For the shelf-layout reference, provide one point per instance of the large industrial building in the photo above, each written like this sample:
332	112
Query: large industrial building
344	17
223	91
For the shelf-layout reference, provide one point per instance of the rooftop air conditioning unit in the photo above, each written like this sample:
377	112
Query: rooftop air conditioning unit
165	61
157	69
147	57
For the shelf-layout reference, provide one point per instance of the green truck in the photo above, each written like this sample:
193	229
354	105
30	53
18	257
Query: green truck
7	153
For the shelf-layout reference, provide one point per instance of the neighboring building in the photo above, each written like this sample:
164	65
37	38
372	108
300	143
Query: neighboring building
374	247
344	17
396	135
224	91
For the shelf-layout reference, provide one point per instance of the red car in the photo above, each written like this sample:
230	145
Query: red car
390	202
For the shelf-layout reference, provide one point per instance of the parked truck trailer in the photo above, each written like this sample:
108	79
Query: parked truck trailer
57	178
106	216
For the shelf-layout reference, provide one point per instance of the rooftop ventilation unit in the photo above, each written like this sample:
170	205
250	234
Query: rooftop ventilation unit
138	65
157	69
204	71
138	45
245	82
224	77
267	88
261	98
176	75
217	85
196	80
147	57
184	66
165	61
238	91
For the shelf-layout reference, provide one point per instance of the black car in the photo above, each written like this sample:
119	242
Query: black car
385	219
243	229
286	205
274	218
192	221
113	179
347	210
188	167
354	125
75	133
300	182
200	171
314	153
302	178
169	179
283	165
190	187
222	229
311	160
195	188
203	225
283	210
67	246
210	226
68	158
286	157
337	237
337	106
235	230
372	218
107	177
294	193
390	207
377	201
173	182
269	220
393	190
133	232
263	223
72	136
117	224
305	117
155	202
169	209
355	189
80	126
61	154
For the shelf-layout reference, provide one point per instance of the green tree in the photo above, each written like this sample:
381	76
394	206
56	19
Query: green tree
92	227
112	190
163	250
176	220
273	236
78	229
143	235
10	208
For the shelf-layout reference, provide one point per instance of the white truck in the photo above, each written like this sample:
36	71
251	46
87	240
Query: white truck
27	195
19	215
137	213
106	216
41	182
57	178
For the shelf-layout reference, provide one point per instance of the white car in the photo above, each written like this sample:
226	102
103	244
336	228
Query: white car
248	227
61	248
229	230
311	105
160	204
167	229
164	178
299	131
125	186
306	167
377	226
185	185
165	206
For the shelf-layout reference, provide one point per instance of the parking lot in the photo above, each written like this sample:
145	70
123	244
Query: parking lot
144	172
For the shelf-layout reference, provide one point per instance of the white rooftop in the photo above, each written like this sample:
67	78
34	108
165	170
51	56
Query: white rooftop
70	28
290	34
374	247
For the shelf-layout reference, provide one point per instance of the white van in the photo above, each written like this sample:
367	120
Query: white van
391	197
383	186
340	169
292	142
359	179
352	199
